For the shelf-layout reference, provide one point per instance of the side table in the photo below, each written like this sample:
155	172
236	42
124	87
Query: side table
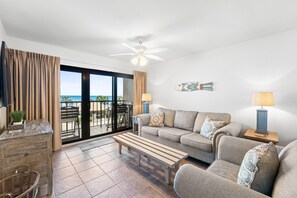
134	124
269	137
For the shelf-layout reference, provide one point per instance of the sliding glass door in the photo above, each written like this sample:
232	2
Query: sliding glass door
71	105
101	101
94	103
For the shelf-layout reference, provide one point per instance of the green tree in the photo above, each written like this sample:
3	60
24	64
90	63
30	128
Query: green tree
66	99
101	98
120	98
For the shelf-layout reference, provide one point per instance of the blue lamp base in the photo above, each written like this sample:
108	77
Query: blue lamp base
145	107
261	121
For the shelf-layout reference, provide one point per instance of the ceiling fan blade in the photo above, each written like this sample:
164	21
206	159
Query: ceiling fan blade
130	47
156	50
154	57
123	54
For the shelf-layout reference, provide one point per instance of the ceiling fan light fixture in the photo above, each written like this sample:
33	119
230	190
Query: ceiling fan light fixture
139	61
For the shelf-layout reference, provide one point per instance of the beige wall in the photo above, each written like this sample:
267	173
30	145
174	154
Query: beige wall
2	109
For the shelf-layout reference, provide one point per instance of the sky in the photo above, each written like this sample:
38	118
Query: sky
99	85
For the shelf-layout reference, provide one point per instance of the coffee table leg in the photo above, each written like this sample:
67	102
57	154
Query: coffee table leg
120	148
176	167
167	172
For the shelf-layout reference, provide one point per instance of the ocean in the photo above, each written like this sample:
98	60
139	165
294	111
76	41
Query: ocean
78	98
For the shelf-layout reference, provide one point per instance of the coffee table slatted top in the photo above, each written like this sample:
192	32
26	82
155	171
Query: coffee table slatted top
161	153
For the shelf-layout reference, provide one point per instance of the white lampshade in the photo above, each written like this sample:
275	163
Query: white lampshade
263	99
146	97
139	61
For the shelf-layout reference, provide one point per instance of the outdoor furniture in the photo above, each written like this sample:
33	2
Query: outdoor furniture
69	114
168	157
122	116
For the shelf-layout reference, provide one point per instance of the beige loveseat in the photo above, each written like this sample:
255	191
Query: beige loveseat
219	180
182	131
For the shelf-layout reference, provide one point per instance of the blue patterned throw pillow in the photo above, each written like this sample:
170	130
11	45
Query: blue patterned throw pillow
209	127
259	168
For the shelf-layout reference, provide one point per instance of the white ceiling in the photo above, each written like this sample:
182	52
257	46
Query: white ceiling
184	26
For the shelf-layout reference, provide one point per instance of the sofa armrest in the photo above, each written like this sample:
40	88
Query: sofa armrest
233	128
192	182
143	120
233	149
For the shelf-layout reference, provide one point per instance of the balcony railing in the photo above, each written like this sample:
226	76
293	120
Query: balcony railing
100	117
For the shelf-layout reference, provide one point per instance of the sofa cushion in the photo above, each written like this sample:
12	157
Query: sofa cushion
157	119
169	116
209	127
172	134
224	169
197	141
150	130
259	168
285	182
213	116
185	119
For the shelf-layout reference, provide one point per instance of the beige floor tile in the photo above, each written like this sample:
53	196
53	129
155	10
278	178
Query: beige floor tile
84	165
115	154
111	165
120	174
102	158
59	155
95	152
73	152
110	147
91	174
100	169
133	185
66	184
114	192
77	192
99	185
63	172
79	158
149	193
61	163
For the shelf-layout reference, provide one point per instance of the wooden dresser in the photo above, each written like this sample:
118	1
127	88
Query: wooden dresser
31	146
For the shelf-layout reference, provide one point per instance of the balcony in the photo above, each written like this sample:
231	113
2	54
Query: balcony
100	118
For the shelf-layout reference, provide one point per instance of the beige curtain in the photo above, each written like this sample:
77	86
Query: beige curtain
139	89
35	88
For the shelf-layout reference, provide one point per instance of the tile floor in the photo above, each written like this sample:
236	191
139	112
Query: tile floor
103	172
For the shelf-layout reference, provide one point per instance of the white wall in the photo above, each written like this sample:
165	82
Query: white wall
264	64
72	57
2	109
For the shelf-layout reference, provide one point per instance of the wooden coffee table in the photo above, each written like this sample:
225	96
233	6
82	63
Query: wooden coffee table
168	157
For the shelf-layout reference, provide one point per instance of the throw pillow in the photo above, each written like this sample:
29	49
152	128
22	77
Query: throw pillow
169	116
209	127
157	119
259	168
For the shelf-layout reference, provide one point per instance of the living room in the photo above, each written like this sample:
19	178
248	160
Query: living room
227	52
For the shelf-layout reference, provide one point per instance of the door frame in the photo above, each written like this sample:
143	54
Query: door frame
85	95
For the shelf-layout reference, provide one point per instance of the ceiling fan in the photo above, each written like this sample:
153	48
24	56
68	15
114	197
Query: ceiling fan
141	54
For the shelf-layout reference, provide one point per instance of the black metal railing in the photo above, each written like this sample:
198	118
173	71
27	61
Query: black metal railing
100	115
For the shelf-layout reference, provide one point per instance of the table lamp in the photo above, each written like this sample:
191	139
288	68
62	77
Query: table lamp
146	98
262	99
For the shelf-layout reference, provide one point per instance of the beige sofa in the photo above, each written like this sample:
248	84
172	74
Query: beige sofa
182	131
220	178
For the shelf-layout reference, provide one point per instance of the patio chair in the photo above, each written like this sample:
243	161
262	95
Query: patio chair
122	116
69	114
